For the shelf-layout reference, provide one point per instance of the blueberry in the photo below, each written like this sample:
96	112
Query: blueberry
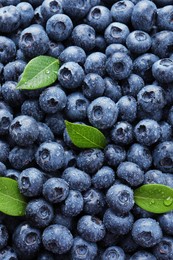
118	224
9	2
128	244
112	89
115	47
119	197
3	236
164	18
104	178
4	151
146	232
26	13
83	249
38	17
32	108
95	63
55	49
154	176
59	27
61	219
119	66
26	241
100	44
13	174
52	99
76	8
132	85
90	160
113	252
166	223
55	122
70	159
45	134
131	173
70	75
76	106
151	98
114	154
121	11
147	132
127	106
162	70
73	53
34	41
30	182
50	8
50	156
3	169
93	86
8	49
13	70
138	42
91	228
39	213
164	249
102	112
57	239
7	253
163	156
5	120
144	255
73	204
83	36
55	190
162	48
94	201
9	19
23	130
77	179
116	33
21	157
144	15
122	133
99	17
166	130
142	66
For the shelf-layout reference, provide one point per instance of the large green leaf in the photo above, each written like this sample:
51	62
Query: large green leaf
12	202
40	72
84	136
156	198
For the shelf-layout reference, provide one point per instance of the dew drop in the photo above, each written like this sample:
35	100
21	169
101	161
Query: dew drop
168	201
47	71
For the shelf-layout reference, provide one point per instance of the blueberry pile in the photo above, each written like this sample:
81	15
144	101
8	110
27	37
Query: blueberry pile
116	75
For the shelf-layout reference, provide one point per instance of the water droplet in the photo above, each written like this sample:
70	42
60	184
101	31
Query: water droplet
168	201
152	202
47	71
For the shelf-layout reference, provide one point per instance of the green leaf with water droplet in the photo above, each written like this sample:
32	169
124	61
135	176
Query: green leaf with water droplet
12	202
40	72
155	198
85	136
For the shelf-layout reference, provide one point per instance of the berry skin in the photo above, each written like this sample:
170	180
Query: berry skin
52	99
7	253
55	49
34	41
144	255
162	48
118	224
154	176
13	174
30	182
73	53
146	232
112	89
32	108
39	213
114	154
55	190
78	180
143	15
93	86
116	33
50	156
59	27
57	239
4	151
138	42
104	178
71	75
63	220
164	249
147	132
73	204
8	49
91	228
84	36
9	19
50	8
127	107
121	11
122	133
99	17
76	106
119	197
130	173
26	241
163	156
164	18
3	236
94	202
13	70
90	160
45	134
83	249
24	130
76	9
113	251
119	66
162	70
55	122
132	85
166	222
102	112
14	97
26	13
6	118
95	63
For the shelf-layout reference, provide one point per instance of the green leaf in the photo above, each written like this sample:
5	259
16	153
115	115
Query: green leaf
40	72
12	201
84	136
155	198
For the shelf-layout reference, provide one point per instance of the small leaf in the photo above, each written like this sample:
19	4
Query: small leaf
12	201
155	198
84	136
40	72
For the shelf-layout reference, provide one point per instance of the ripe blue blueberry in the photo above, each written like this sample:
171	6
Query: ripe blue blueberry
73	53
50	8
114	154
104	178
55	122
13	70
32	108
164	249
116	33
73	204
122	10
10	18
113	251
55	49
122	133
112	89
26	13
93	86
144	255
132	85
162	48
162	70
14	97
164	18
96	63
166	222
6	118
8	49
138	42
94	202
127	107
3	236
154	176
